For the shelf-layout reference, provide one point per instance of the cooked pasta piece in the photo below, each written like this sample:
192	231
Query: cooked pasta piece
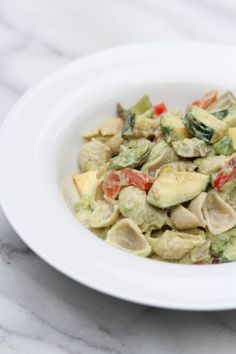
126	235
210	164
196	207
92	155
164	156
219	215
104	214
97	194
111	126
133	205
183	218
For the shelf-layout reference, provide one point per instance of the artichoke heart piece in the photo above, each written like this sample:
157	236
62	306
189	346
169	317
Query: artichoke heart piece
126	235
175	187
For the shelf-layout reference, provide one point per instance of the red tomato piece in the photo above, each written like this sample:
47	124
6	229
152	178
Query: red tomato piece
136	178
228	173
112	185
114	181
160	108
207	100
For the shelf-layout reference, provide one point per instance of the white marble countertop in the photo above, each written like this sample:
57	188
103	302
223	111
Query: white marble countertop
42	311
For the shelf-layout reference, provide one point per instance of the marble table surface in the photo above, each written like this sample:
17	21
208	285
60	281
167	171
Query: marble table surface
41	310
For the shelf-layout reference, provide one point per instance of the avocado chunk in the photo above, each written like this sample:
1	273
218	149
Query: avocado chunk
172	127
174	187
225	108
204	125
224	146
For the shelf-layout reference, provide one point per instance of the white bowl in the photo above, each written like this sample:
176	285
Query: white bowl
39	142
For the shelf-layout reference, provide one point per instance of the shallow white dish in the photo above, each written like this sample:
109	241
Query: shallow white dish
39	142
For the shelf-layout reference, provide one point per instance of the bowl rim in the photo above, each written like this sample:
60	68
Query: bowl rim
69	70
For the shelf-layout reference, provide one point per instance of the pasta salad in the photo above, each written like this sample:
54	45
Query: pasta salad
161	183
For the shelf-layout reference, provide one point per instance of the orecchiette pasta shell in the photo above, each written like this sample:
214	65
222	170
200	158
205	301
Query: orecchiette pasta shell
151	168
84	217
133	205
219	215
126	235
97	193
102	170
114	143
183	218
104	214
210	164
196	207
93	154
111	126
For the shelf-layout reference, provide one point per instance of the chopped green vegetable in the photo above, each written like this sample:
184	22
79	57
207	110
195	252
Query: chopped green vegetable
140	127
204	125
129	125
142	108
134	154
224	146
223	246
225	103
221	114
172	127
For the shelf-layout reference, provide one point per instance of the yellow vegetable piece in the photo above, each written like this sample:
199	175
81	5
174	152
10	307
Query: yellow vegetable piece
85	182
232	134
91	134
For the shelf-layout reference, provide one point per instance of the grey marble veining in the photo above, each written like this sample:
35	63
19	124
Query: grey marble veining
41	310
